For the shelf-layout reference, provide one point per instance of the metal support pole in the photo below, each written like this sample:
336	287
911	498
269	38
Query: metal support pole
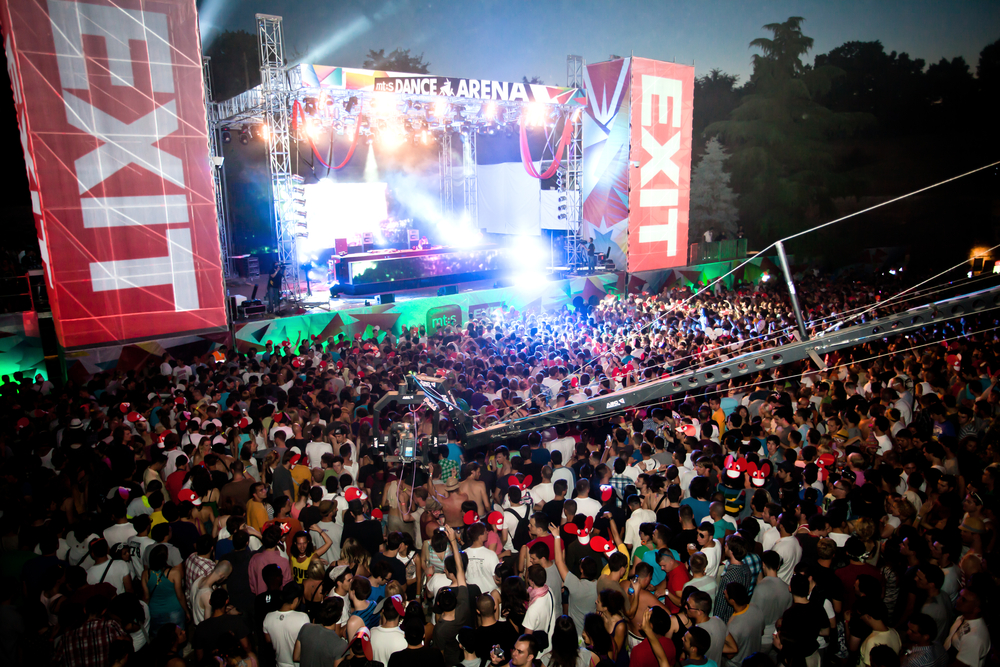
791	291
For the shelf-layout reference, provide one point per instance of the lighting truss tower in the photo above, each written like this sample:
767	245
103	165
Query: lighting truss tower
218	175
446	173
470	180
275	92
571	172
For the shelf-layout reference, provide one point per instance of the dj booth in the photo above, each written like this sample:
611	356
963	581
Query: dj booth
381	271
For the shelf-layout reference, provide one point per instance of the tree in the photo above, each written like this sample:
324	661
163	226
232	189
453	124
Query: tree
399	60
235	64
890	86
988	75
782	54
715	97
713	202
535	79
784	159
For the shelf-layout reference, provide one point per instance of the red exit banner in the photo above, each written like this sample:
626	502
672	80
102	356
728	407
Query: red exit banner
110	106
660	173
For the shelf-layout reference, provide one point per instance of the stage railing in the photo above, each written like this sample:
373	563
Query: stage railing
23	292
717	251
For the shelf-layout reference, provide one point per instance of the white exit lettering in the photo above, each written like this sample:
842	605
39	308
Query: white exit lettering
661	158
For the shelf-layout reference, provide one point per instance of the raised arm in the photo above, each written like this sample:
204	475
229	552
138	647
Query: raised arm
557	548
459	566
654	640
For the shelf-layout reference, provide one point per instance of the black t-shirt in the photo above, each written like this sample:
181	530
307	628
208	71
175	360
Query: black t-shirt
184	535
575	551
238	581
446	632
209	632
828	585
669	517
800	628
425	656
554	509
367	533
680	541
501	634
396	566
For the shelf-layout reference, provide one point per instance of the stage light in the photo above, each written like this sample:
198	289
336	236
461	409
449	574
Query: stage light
562	207
310	105
265	133
227	137
312	129
245	135
562	199
534	113
350	104
440	108
425	136
489	110
562	216
577	114
417	106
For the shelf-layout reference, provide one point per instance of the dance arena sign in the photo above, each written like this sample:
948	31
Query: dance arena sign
110	106
346	78
660	173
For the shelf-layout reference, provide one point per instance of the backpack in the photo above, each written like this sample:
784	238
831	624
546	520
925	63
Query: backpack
521	534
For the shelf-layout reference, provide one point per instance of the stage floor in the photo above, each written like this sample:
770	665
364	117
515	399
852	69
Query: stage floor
320	300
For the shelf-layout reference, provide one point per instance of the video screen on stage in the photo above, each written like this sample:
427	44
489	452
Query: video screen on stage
342	210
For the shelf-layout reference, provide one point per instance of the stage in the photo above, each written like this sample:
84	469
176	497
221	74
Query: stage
382	271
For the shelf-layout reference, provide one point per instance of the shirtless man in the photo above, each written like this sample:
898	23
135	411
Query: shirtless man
642	599
451	501
474	489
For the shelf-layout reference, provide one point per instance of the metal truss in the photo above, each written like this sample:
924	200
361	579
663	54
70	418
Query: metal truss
571	173
445	171
276	101
470	180
245	108
218	175
744	365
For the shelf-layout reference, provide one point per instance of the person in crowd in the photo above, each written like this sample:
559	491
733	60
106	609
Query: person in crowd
837	513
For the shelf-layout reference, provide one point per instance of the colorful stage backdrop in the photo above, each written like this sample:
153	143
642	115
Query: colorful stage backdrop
605	157
111	110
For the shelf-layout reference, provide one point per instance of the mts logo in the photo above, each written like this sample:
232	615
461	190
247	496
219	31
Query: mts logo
443	316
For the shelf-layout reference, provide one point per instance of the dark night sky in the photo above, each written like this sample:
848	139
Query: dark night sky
505	40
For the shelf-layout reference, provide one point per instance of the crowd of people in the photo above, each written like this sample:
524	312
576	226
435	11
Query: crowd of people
237	509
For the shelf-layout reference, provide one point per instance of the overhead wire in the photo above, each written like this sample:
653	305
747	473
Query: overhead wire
898	294
833	222
720	392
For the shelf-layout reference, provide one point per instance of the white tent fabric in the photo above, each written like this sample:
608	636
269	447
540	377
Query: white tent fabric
509	201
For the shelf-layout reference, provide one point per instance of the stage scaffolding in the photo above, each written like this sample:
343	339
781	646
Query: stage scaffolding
470	180
218	174
276	93
571	174
446	174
